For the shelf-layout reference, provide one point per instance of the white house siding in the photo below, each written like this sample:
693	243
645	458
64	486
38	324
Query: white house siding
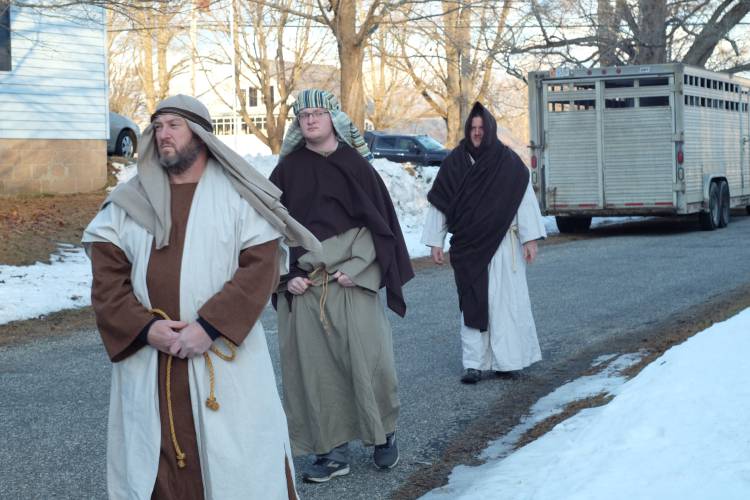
57	87
54	117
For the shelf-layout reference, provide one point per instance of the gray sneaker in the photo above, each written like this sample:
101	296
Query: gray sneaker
324	469
386	455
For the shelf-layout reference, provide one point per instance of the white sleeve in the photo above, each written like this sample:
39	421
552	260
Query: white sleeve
530	221
104	228
435	228
257	230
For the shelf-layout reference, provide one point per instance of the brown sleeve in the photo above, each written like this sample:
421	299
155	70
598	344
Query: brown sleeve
119	315
238	305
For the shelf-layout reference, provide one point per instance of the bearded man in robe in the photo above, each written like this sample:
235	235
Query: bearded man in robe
483	197
185	257
335	340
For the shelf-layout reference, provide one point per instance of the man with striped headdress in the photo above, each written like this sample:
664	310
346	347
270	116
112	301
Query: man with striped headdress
336	346
185	257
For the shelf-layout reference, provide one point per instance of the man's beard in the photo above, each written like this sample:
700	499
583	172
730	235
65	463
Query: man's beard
182	159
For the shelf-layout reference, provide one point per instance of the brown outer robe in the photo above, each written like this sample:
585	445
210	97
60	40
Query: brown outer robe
232	311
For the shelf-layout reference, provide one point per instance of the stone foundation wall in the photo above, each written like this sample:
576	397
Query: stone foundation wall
52	166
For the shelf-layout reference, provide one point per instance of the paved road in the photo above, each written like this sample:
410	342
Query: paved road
589	296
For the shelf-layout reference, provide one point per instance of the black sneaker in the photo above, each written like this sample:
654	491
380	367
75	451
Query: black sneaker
512	375
386	454
325	469
471	376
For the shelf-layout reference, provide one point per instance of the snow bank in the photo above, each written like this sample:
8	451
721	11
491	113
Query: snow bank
678	430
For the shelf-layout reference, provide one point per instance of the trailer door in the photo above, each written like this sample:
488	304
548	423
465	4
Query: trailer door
571	155
638	149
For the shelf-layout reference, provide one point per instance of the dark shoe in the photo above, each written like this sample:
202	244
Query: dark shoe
512	375
325	469
386	455
471	376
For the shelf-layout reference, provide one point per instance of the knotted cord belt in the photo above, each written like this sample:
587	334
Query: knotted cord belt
513	238
211	402
320	272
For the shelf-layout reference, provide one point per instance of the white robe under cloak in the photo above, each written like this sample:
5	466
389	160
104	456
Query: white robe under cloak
510	342
242	446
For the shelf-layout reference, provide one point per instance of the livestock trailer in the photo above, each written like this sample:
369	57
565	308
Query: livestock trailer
662	139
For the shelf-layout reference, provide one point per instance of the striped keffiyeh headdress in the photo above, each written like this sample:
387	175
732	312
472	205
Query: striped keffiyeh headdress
346	131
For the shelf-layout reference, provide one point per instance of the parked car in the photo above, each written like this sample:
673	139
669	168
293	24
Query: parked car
124	135
406	148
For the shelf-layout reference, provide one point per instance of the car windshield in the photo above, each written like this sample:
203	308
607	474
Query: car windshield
429	143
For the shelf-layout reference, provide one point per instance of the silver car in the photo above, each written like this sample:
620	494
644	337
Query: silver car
124	135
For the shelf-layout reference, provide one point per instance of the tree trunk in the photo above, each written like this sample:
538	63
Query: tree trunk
652	42
454	98
606	35
351	56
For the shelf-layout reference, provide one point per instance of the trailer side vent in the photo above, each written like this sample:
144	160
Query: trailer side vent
619	102
618	84
652	101
653	82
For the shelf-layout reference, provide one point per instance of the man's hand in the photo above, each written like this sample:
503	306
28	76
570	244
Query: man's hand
529	251
162	334
343	279
437	255
298	285
192	341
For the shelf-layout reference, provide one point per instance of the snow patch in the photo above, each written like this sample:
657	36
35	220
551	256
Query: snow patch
30	291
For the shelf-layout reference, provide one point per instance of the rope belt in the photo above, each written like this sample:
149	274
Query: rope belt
211	402
513	238
320	277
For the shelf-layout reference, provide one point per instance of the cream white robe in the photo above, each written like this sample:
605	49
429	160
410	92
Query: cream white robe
242	446
510	342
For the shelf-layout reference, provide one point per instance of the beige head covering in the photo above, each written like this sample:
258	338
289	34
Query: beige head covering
146	197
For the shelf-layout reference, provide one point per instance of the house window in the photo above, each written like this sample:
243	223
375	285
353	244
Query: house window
5	35
252	97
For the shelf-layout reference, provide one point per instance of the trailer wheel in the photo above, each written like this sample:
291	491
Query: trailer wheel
567	224
724	204
710	220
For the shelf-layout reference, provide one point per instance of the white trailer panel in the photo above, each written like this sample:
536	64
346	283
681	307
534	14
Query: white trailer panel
639	140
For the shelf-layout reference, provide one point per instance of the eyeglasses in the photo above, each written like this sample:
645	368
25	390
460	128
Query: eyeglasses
304	116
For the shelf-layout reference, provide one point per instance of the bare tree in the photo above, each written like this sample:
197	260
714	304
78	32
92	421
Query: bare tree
271	50
387	88
632	32
469	36
125	94
153	33
352	23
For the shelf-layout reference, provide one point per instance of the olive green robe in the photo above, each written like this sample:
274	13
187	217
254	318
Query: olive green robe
337	351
